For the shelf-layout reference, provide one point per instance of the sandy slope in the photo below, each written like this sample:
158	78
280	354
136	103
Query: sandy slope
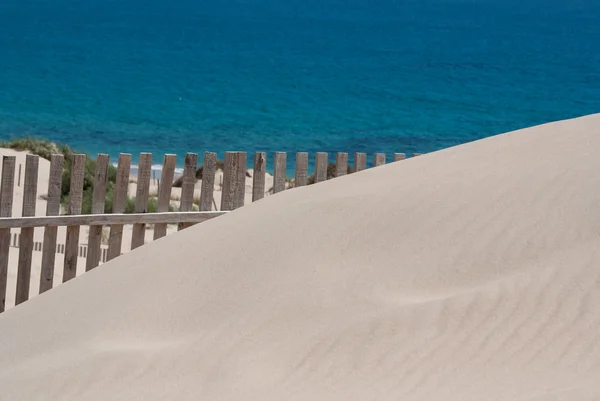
468	274
43	178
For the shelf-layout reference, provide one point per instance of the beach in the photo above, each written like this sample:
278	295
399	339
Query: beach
466	274
41	203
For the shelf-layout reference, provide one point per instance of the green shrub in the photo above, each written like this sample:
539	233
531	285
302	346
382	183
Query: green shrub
46	149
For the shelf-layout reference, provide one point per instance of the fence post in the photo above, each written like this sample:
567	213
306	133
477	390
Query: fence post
279	172
98	198
141	198
6	204
341	164
115	238
52	209
360	161
379	159
75	199
164	192
240	182
301	178
399	156
321	167
209	169
26	246
258	179
188	185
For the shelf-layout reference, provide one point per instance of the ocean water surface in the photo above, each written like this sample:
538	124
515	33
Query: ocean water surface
297	75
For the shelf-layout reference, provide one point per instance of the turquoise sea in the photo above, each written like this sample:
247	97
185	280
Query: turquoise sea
313	75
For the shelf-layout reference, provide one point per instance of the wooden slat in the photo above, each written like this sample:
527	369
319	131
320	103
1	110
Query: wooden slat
141	198
240	179
379	159
209	170
258	179
52	209
26	245
301	178
164	192
75	199
106	219
188	184
321	166
115	238
341	164
279	172
98	200
229	173
360	161
399	156
6	204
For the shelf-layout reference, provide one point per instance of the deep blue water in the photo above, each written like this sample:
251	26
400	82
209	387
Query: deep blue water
271	75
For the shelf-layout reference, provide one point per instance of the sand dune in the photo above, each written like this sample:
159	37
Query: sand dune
471	273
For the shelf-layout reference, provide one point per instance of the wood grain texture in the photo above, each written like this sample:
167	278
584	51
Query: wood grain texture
379	159
279	172
399	156
341	164
228	193
164	192
26	241
321	167
188	184
7	186
50	233
98	201
301	178
209	170
240	179
360	161
141	198
115	238
106	219
75	199
259	174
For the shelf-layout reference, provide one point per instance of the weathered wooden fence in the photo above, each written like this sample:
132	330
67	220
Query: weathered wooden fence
233	194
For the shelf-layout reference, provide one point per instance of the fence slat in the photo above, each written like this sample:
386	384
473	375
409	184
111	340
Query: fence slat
279	172
360	161
258	179
379	159
52	209
228	181
141	198
341	164
240	179
399	156
209	170
6	204
115	238
164	192
321	166
98	198
26	245
301	178
75	199
188	185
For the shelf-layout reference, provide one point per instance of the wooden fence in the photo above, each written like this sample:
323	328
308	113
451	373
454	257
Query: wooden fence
233	194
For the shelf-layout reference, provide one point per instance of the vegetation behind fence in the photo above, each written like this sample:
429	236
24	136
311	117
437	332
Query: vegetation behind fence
107	203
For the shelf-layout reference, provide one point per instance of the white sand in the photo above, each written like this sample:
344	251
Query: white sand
43	178
468	274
